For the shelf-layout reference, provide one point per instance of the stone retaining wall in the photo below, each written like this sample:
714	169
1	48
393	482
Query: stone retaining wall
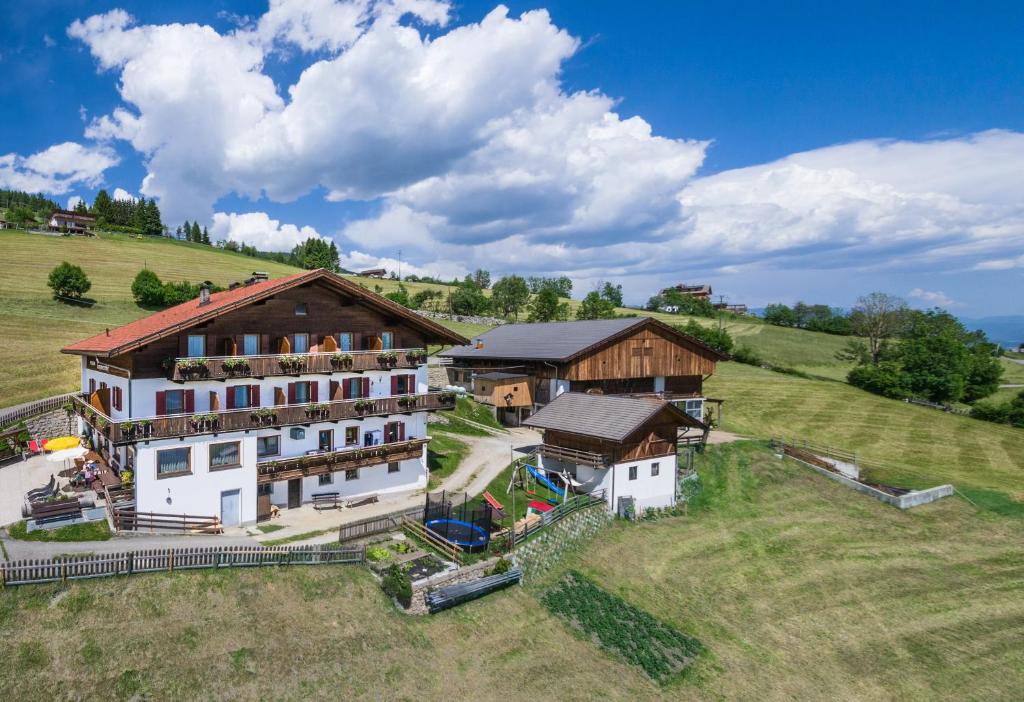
546	549
462	575
467	318
52	424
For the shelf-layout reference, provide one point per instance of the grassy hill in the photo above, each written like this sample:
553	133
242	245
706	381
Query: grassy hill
33	326
798	587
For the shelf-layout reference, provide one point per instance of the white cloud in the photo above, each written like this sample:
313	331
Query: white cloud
73	202
440	268
1000	264
259	230
122	194
49	41
932	298
57	169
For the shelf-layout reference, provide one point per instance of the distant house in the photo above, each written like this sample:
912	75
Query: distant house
624	446
631	355
735	309
373	273
71	222
701	292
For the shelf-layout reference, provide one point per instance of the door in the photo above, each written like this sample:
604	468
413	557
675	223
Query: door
230	506
294	493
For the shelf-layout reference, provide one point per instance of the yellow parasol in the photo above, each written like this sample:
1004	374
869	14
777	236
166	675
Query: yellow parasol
61	443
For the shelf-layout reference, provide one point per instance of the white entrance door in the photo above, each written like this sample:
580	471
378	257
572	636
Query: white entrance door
230	506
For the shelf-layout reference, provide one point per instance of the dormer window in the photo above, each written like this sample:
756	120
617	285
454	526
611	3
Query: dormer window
301	309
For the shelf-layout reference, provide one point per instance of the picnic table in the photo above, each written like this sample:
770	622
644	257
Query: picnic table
107	477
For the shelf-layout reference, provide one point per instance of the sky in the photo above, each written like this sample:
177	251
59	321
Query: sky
778	151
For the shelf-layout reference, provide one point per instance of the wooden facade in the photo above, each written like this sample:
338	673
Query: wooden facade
656	437
646	353
504	392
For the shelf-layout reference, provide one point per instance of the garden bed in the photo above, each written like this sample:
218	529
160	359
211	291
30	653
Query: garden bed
621	629
426	566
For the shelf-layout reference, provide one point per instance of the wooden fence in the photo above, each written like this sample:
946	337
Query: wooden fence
555	515
375	525
10	415
432	538
130	520
31	571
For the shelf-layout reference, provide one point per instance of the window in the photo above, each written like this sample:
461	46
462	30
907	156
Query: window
394	467
387	340
301	344
297	433
632	472
117	395
354	388
92	385
226	455
352	474
695	408
301	309
405	384
655	469
175	461
251	344
241	396
345	341
301	393
196	345
175	400
326	440
268	446
326	479
351	436
394	431
265	489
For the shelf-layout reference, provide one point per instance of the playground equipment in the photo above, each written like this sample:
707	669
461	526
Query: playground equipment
527	477
454	519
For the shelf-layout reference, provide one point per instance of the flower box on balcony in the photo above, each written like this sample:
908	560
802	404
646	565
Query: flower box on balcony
362	405
236	366
387	358
318	410
291	364
203	422
416	356
262	416
341	360
192	367
407	401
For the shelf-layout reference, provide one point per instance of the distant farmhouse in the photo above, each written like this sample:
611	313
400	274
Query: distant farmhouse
518	368
71	222
373	273
735	309
701	292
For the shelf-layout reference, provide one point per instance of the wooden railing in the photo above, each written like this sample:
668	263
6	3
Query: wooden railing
130	520
345	459
26	572
217	367
376	525
562	453
257	417
520	534
9	415
432	538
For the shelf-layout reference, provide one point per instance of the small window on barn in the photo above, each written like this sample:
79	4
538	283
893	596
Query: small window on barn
301	309
632	472
394	467
655	469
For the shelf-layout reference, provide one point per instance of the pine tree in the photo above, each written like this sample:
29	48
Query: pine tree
206	237
102	207
197	234
187	231
151	217
139	215
177	232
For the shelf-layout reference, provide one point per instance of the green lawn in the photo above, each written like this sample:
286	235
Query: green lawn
444	453
920	446
1013	373
87	531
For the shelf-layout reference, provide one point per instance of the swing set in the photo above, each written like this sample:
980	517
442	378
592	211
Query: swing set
531	479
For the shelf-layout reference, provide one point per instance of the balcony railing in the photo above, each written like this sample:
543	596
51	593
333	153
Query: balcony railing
176	425
223	367
588	458
344	459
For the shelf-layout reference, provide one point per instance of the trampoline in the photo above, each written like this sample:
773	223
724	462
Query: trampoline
469	536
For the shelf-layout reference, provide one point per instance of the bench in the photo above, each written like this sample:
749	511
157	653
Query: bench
360	501
44	512
326	500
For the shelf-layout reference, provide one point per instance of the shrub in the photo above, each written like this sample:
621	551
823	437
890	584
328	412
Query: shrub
148	289
68	280
718	339
501	567
377	553
397	584
885	378
745	354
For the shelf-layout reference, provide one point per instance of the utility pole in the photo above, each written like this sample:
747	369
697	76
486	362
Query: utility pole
399	265
721	312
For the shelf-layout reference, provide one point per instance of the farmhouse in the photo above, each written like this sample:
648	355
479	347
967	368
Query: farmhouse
701	292
269	393
518	368
71	222
373	273
621	445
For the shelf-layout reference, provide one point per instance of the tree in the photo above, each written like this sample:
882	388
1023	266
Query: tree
186	229
421	298
469	299
317	253
177	232
22	215
714	337
81	208
546	307
481	278
780	315
148	289
197	233
401	296
68	280
878	317
594	306
612	293
150	217
206	236
509	295
139	214
103	207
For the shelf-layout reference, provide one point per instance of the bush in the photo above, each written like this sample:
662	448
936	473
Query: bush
68	280
745	354
148	289
501	567
377	553
714	337
397	584
886	379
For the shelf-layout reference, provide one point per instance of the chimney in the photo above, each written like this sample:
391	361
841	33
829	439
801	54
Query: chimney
479	343
204	295
258	276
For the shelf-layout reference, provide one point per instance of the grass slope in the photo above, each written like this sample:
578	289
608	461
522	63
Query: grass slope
921	446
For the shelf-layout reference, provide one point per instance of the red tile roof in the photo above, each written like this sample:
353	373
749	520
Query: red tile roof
160	324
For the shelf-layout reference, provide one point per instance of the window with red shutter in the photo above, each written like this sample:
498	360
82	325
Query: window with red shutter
161	403
190	400
291	393
401	431
366	387
394	385
230	393
254	395
314	391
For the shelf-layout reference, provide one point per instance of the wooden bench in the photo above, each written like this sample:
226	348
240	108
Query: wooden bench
326	500
360	501
44	512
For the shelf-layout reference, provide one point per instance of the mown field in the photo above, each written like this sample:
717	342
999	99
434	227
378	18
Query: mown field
920	447
798	588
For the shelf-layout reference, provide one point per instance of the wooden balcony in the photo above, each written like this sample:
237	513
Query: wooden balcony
587	458
231	367
346	459
178	425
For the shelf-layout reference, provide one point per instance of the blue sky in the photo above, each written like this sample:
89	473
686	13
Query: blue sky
779	151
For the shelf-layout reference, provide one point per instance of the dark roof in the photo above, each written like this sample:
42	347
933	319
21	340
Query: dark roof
612	417
498	375
557	341
160	324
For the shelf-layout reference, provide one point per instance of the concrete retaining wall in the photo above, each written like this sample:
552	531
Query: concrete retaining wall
911	499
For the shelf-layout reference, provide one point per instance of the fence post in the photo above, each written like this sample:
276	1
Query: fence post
170	561
131	562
